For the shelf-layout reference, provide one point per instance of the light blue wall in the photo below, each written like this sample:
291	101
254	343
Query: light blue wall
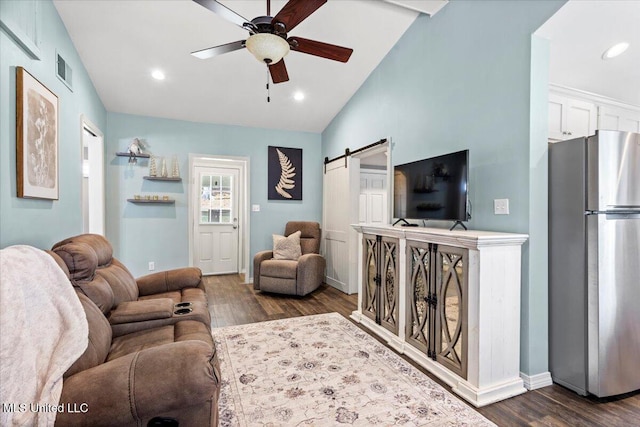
43	222
159	233
535	314
461	80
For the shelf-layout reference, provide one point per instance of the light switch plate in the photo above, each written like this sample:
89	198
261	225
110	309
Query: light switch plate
255	208
501	206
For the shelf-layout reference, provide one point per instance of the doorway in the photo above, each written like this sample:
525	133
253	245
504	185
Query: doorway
93	215
218	217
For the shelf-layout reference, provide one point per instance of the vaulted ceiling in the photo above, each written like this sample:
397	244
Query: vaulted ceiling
122	42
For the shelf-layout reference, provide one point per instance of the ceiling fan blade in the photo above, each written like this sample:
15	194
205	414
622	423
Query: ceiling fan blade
296	11
324	50
223	11
218	50
278	72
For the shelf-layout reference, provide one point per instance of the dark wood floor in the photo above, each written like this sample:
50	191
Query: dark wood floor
234	303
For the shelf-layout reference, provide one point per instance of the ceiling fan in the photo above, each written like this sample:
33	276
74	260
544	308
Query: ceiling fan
268	40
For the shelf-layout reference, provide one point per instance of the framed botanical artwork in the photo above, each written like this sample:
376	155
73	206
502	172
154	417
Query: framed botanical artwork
285	173
36	138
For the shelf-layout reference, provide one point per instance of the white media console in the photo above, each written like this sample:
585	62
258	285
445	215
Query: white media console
450	300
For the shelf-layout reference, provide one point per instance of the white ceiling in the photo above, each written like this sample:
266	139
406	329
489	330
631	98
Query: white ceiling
580	32
121	42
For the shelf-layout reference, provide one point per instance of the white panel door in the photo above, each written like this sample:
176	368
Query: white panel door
338	237
373	197
216	220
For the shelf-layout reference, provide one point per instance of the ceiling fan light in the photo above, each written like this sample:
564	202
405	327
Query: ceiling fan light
267	47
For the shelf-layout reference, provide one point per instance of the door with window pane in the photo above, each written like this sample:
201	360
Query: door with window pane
216	222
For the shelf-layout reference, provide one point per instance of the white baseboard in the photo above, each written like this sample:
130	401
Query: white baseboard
338	285
488	395
532	382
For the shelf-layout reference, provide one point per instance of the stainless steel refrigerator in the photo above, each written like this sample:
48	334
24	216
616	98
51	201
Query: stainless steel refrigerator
594	263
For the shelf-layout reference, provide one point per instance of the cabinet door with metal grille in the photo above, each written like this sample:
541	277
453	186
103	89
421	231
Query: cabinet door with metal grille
420	326
369	276
389	284
380	281
451	309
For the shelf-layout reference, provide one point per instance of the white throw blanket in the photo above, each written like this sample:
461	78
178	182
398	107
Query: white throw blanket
43	331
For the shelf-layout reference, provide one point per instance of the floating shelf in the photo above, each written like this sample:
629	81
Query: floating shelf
142	155
159	201
161	178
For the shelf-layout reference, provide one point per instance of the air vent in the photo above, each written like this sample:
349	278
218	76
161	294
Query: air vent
63	71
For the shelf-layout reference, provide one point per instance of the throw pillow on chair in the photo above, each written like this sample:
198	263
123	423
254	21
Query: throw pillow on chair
287	247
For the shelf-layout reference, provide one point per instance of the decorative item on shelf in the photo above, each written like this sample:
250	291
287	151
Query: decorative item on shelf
147	197
175	168
155	197
163	171
153	168
136	197
165	198
134	150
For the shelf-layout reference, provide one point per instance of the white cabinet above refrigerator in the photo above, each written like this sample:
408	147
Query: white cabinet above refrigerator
570	118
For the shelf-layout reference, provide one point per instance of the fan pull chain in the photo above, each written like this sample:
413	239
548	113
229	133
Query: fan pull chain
268	92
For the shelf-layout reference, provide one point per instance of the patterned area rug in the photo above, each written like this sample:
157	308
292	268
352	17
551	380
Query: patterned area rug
323	370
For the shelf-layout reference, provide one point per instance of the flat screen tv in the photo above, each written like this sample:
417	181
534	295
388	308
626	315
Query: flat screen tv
434	188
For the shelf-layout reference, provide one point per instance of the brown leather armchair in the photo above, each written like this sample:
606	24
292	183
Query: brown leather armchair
291	277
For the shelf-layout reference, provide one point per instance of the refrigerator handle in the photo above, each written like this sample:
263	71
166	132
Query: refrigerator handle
623	215
619	214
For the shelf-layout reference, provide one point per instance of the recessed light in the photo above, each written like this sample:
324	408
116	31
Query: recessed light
298	96
615	50
158	75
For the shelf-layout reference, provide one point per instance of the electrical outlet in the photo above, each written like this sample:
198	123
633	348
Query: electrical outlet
152	265
501	206
255	208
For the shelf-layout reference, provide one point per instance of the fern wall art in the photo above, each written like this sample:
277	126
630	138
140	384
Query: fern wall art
285	173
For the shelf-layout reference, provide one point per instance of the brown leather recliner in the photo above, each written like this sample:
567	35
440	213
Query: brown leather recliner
170	371
131	304
292	277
